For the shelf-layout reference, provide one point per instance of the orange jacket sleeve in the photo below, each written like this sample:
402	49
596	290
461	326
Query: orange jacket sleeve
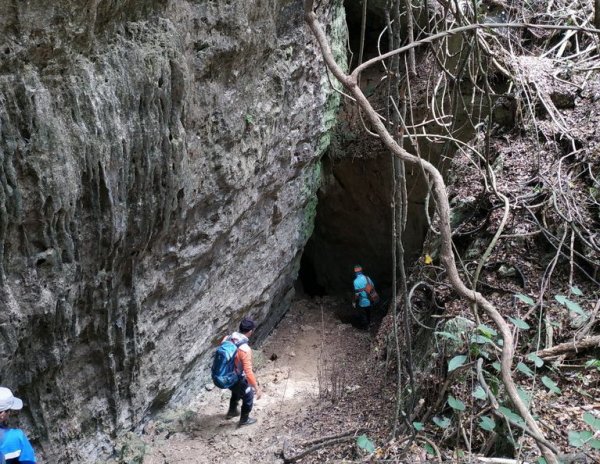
244	355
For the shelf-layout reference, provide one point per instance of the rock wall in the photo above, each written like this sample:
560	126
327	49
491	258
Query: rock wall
159	162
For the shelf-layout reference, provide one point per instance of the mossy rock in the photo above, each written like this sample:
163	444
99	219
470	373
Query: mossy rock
457	326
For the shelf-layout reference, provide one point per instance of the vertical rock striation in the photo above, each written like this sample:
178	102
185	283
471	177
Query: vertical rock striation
159	162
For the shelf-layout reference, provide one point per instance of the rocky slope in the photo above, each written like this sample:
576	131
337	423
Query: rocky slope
158	177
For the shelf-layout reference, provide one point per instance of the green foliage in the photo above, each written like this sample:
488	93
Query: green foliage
576	291
539	362
487	331
592	420
571	305
551	385
365	444
520	323
524	369
418	426
487	423
479	393
456	404
582	439
593	364
456	362
449	335
429	449
525	299
441	421
249	119
511	416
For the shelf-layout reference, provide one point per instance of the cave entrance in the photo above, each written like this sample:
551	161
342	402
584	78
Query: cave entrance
353	224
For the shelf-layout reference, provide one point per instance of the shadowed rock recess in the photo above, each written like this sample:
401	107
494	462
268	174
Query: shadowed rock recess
159	163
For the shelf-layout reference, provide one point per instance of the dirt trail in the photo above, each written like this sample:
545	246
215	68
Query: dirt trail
287	411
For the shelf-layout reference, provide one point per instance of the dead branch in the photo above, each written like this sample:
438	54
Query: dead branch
320	443
570	347
443	210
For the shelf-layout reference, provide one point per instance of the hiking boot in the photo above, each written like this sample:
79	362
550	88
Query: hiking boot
232	413
246	421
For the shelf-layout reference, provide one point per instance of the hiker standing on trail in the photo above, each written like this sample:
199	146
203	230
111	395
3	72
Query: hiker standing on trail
247	385
364	295
14	445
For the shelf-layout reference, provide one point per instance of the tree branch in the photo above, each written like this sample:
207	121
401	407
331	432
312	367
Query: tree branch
569	347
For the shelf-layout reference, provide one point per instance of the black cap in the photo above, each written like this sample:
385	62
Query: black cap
247	325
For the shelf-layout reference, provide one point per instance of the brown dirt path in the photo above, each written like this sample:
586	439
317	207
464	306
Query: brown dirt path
292	404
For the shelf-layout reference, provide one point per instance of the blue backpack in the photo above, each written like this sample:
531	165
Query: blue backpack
223	369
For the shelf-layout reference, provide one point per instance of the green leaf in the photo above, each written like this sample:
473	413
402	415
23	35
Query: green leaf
574	307
541	460
591	420
418	426
524	369
479	393
441	421
487	423
481	339
519	323
593	364
539	362
571	305
487	331
551	384
455	403
429	449
511	416
456	362
576	291
525	299
579	439
449	335
365	444
496	365
561	299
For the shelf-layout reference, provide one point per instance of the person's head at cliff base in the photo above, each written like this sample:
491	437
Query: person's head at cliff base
247	325
8	401
358	268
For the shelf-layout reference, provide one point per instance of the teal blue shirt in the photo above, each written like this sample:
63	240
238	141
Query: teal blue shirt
360	282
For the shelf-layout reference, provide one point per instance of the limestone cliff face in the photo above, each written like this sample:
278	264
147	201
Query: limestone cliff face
159	162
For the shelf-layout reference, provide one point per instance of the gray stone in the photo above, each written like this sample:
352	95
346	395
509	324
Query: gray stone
159	168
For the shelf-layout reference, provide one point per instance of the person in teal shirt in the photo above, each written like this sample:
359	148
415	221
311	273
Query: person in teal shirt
362	284
14	445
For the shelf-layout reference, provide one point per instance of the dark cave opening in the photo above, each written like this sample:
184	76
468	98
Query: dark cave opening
354	218
353	225
308	277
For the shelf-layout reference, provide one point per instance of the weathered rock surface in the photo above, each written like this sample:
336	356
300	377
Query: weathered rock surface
159	162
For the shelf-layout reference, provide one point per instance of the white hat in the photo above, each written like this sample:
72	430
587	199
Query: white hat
8	400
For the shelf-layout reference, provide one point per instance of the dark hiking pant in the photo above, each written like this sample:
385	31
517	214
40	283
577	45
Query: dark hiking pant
242	391
365	315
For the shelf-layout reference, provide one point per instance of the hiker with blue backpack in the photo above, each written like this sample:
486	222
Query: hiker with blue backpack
365	295
232	369
14	445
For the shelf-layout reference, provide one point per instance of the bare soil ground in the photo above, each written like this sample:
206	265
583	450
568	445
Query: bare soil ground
310	390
